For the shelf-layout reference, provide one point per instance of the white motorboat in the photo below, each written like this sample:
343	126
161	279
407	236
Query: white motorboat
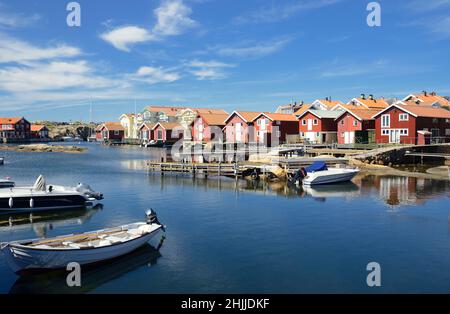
86	248
6	183
41	197
318	173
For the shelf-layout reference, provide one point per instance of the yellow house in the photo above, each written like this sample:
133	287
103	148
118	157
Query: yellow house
129	123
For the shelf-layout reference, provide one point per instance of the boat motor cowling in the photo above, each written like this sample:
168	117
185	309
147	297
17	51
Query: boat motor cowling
88	191
152	218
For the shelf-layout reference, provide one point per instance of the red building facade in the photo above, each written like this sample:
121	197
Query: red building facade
273	128
111	131
398	124
351	121
207	127
239	127
15	128
318	126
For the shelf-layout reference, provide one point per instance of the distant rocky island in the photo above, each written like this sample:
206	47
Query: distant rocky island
43	148
58	130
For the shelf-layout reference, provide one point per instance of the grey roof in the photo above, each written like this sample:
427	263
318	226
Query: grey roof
327	114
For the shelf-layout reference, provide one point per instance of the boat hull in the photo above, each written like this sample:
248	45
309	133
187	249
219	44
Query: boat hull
23	204
325	177
24	259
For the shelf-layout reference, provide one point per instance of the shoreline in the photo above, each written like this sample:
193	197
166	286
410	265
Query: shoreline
43	148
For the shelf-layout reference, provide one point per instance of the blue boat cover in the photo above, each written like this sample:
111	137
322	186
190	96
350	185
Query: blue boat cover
317	166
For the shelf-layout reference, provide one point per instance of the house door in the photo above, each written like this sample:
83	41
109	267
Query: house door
262	137
394	136
238	132
310	124
349	137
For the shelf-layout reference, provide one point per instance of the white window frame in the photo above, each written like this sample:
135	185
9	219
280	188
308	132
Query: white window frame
447	132
278	134
116	132
355	122
388	119
304	122
316	122
385	132
403	115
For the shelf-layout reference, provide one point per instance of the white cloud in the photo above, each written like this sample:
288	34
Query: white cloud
154	75
14	20
275	13
13	50
50	76
254	50
208	70
124	37
172	18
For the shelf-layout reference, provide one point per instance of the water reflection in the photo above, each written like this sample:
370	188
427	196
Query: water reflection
42	223
393	191
54	282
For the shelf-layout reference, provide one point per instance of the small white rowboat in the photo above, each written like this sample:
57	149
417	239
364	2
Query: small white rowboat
86	248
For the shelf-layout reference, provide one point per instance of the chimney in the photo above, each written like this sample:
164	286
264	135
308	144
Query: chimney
433	93
371	97
424	93
326	98
363	96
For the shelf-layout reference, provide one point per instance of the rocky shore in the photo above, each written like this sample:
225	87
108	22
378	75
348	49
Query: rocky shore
43	148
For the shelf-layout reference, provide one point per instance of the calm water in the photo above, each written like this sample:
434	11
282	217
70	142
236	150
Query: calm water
226	236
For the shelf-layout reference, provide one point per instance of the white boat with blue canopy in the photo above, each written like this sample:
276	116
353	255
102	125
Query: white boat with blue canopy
86	248
319	173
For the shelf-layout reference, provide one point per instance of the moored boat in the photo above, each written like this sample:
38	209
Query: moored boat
84	249
318	173
42	197
6	183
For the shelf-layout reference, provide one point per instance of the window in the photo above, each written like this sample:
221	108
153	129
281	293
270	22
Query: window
303	122
403	117
385	121
447	120
447	132
342	121
278	134
355	122
302	134
435	120
342	134
116	132
259	122
384	132
317	133
160	134
404	132
315	122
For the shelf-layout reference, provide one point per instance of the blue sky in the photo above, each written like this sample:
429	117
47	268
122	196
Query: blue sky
230	54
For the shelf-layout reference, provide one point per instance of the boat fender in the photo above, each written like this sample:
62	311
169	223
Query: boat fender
11	202
31	203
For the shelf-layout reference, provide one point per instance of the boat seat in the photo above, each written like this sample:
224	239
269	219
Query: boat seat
114	239
134	232
103	243
43	247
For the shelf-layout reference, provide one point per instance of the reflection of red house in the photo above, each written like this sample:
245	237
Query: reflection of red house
400	123
272	127
318	126
111	131
208	126
39	131
239	127
352	120
167	132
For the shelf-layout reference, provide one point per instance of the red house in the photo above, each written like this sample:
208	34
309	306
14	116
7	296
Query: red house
111	131
239	127
319	126
167	132
352	120
14	128
145	132
273	127
39	131
206	126
400	124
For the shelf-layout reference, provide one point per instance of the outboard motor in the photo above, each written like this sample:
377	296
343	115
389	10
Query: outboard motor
299	175
88	191
152	218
